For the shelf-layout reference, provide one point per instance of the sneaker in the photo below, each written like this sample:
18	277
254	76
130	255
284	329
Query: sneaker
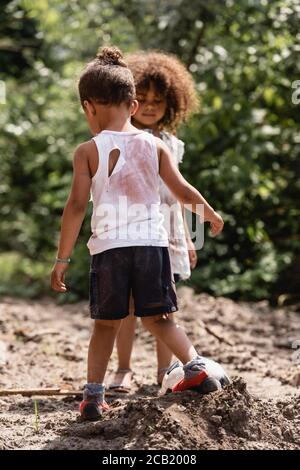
196	377
91	410
93	403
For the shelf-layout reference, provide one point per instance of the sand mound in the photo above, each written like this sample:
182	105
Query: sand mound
43	344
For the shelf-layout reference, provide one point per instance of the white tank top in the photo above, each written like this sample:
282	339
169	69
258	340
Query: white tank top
126	203
178	249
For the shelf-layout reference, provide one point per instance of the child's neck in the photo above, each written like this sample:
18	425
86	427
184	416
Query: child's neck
118	125
115	118
154	127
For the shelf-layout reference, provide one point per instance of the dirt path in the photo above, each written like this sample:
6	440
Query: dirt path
45	345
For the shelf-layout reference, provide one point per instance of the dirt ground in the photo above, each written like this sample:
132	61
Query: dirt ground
45	345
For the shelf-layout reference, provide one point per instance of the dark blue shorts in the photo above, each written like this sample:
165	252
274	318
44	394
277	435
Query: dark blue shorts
141	271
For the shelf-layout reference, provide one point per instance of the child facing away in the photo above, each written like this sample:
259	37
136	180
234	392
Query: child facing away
167	97
121	166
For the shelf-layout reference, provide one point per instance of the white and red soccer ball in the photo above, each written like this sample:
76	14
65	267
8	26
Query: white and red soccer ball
175	374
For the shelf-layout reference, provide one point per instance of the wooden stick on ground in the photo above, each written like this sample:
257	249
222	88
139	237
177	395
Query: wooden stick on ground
45	392
213	333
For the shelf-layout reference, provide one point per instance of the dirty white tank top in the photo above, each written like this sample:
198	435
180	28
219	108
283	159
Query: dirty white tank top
178	249
126	203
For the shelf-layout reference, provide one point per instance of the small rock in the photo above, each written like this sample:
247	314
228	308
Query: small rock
276	431
287	434
295	381
181	408
3	353
216	419
289	412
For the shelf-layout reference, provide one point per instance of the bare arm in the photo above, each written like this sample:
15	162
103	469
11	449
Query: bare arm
190	245
73	214
183	191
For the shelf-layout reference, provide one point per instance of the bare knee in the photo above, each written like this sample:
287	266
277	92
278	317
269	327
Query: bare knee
100	325
149	321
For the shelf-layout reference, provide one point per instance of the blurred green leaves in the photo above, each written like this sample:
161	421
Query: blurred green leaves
242	149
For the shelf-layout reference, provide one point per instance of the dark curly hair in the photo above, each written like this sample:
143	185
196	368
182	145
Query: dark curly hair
107	79
170	78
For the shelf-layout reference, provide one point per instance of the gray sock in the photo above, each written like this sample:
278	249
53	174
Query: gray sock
192	367
94	392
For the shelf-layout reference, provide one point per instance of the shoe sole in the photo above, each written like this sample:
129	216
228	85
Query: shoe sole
119	389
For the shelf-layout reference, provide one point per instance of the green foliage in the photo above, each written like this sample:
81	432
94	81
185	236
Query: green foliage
242	149
244	146
20	42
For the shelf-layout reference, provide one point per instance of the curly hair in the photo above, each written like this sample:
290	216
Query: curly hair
107	79
170	78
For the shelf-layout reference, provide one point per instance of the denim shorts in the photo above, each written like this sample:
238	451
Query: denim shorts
141	271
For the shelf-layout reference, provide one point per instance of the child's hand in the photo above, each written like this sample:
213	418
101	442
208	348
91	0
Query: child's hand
58	277
216	224
192	253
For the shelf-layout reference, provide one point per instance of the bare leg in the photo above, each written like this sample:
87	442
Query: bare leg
164	357
195	375
125	338
100	348
172	335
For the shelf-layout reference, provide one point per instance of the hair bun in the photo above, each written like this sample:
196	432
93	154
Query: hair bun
110	56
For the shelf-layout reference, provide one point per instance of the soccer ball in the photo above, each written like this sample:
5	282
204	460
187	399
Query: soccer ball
175	373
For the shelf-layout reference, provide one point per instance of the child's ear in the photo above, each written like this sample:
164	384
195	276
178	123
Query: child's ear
89	108
134	107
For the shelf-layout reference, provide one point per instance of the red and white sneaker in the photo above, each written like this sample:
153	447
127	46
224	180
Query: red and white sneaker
196	377
93	403
90	410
